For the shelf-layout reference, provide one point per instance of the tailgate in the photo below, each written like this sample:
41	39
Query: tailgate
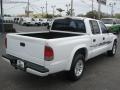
26	48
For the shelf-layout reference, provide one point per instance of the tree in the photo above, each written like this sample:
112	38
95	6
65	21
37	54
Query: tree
117	15
58	15
60	10
91	14
48	16
94	14
68	12
81	15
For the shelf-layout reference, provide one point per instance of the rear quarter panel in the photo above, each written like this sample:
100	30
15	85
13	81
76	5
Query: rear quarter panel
64	50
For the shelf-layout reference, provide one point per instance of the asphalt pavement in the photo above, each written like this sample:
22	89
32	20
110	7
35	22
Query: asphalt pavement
102	73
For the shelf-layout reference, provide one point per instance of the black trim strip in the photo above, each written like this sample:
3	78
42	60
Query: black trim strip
31	65
101	44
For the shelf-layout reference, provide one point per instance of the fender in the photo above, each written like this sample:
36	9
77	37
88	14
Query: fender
113	39
73	53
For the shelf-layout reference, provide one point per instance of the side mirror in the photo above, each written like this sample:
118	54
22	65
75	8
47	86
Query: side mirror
108	31
114	23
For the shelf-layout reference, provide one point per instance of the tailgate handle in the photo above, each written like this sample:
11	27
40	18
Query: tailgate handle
94	40
22	44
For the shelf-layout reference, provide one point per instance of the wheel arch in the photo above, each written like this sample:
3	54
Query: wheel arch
115	40
82	50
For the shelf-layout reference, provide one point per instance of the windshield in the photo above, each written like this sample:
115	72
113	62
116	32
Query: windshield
107	21
68	24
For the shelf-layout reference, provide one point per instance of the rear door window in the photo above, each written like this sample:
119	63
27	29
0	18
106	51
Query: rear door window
94	27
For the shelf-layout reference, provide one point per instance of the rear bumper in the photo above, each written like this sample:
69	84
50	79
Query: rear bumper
28	66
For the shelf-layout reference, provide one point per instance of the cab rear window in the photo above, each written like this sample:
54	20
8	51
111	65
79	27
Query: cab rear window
68	24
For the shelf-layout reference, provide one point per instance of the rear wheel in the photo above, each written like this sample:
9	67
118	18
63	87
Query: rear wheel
77	68
113	51
24	24
36	24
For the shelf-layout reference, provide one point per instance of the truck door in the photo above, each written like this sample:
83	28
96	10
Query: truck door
96	38
105	37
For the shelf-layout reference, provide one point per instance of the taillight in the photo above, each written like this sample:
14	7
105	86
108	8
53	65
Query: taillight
48	53
5	41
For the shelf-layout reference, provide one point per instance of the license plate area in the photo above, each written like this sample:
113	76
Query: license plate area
20	64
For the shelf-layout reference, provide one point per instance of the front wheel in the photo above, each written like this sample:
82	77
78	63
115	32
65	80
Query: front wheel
113	51
77	68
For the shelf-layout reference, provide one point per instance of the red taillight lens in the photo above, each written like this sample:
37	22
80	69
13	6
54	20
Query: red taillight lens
48	53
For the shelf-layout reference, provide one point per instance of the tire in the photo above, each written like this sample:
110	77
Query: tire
36	24
43	24
24	24
74	74
113	51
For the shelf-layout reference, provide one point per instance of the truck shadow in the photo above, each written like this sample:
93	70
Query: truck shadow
59	80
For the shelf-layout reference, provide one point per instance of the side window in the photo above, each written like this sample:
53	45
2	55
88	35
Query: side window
94	27
103	28
114	22
80	26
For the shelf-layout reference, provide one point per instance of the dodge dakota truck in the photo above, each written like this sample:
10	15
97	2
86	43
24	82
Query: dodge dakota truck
69	43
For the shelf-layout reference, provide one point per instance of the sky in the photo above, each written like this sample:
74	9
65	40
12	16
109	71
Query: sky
80	6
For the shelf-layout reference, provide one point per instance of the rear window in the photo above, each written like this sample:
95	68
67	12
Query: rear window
68	24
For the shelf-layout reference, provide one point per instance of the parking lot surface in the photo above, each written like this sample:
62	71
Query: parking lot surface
29	28
102	73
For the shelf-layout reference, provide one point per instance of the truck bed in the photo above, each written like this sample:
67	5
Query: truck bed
50	35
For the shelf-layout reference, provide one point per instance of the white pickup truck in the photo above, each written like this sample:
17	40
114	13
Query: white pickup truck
70	42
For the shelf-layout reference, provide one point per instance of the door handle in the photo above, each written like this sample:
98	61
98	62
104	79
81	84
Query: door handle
94	40
103	38
22	44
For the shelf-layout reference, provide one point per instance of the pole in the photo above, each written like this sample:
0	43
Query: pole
46	8
112	8
92	5
2	17
2	31
71	7
28	8
99	9
92	9
42	11
53	10
112	11
67	7
1	8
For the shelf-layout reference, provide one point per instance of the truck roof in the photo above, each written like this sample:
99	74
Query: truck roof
80	18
